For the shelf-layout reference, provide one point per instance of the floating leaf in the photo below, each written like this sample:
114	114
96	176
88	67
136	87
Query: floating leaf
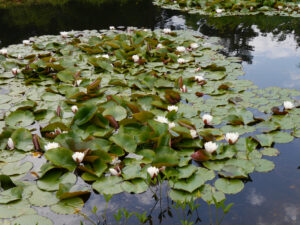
229	186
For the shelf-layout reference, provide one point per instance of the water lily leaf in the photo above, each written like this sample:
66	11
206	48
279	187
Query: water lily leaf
84	114
209	194
5	182
52	179
16	168
229	186
182	196
11	195
15	209
104	185
136	186
66	76
265	140
32	219
20	118
125	141
270	152
61	157
165	156
263	165
281	137
68	206
42	198
297	133
130	172
233	172
186	171
22	139
11	156
118	112
68	190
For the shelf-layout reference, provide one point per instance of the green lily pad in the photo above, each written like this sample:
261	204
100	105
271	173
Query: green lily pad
118	112
68	206
61	157
229	186
20	118
32	219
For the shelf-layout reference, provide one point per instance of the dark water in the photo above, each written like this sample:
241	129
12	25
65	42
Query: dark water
270	49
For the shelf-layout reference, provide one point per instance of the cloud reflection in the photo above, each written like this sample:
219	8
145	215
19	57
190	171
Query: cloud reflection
254	198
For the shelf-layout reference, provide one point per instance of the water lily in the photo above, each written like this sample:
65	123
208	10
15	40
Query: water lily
161	119
193	133
15	71
10	144
64	34
167	30
105	56
78	157
51	145
115	161
3	51
181	61
219	10
78	82
26	42
171	125
180	49
172	107
74	108
20	56
207	119
159	46
232	138
210	147
114	172
153	171
112	28
288	105
194	45
135	58
199	78
183	89
280	7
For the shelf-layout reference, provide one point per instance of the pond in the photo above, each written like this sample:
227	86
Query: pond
269	47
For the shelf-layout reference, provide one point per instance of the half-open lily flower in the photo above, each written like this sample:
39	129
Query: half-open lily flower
288	105
159	46
167	30
194	45
193	133
210	147
161	119
183	89
114	172
171	125
10	144
105	56
135	58
64	34
78	82
78	157
74	108
51	145
207	119
26	42
115	161
15	71
219	10
112	28
3	51
172	107
181	60
180	49
199	78
153	171
232	138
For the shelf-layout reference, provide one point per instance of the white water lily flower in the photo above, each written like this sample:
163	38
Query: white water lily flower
15	71
51	145
105	56
167	30
74	108
183	89
180	49
78	82
112	28
78	157
219	10
26	42
153	171
280	7
159	46
115	161
161	119
194	45
146	30
114	172
64	34
171	125
288	105
3	51
193	133
172	107
232	138
210	147
10	144
20	56
199	78
181	61
206	118
135	58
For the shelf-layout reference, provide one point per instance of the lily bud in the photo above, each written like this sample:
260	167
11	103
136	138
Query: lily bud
10	144
232	138
206	118
74	108
153	171
78	157
183	89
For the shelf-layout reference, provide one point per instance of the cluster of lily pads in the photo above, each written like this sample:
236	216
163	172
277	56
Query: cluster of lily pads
112	110
230	7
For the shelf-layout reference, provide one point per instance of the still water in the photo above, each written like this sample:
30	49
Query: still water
270	49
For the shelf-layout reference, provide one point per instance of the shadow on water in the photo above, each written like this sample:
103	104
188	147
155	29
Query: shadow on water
269	47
